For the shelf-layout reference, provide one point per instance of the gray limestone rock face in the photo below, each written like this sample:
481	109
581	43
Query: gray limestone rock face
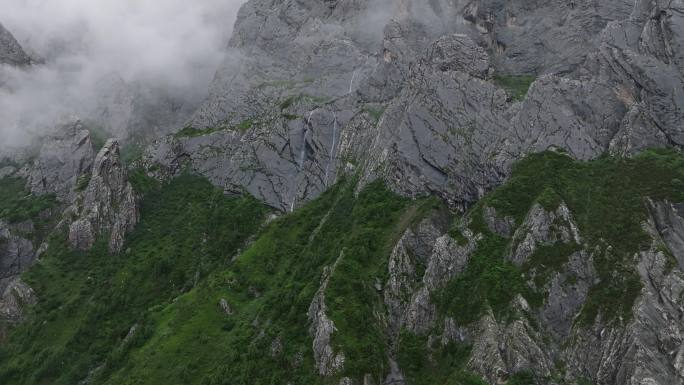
442	134
668	219
11	52
135	113
410	255
284	158
502	226
107	206
62	159
540	228
502	348
566	293
287	48
537	37
414	103
16	252
648	349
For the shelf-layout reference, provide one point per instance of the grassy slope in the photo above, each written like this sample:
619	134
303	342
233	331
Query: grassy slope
179	264
515	86
88	302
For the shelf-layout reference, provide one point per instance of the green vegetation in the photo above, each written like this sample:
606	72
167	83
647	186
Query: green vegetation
7	162
17	204
98	136
132	151
455	233
606	197
192	132
151	314
290	116
489	280
548	259
377	220
294	99
142	184
89	302
425	365
82	182
244	125
375	113
516	86
522	378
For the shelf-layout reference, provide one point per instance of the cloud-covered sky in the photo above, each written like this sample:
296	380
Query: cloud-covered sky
170	46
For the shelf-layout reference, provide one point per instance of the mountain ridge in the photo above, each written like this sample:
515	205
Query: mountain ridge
382	192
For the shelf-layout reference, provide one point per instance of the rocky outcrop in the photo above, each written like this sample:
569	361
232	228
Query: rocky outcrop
16	296
17	252
10	51
502	226
409	254
328	362
62	159
284	158
107	206
443	133
501	349
542	227
536	338
648	349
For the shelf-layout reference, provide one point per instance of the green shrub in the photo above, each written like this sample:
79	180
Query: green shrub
17	204
515	85
606	197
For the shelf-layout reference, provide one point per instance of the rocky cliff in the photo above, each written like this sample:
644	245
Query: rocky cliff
65	188
461	192
432	98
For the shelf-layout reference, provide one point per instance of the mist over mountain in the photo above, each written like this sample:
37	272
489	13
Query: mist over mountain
93	60
342	192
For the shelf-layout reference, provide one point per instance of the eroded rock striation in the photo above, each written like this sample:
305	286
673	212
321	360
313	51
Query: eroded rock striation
418	100
107	206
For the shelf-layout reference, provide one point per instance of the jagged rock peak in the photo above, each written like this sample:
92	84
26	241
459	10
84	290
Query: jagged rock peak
108	205
10	51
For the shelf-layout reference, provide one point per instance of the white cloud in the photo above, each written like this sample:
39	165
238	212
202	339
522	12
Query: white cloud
170	46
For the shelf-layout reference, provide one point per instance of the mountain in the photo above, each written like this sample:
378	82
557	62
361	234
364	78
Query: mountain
10	51
380	192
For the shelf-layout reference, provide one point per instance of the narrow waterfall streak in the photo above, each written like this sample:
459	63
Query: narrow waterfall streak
351	83
302	153
302	158
332	149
